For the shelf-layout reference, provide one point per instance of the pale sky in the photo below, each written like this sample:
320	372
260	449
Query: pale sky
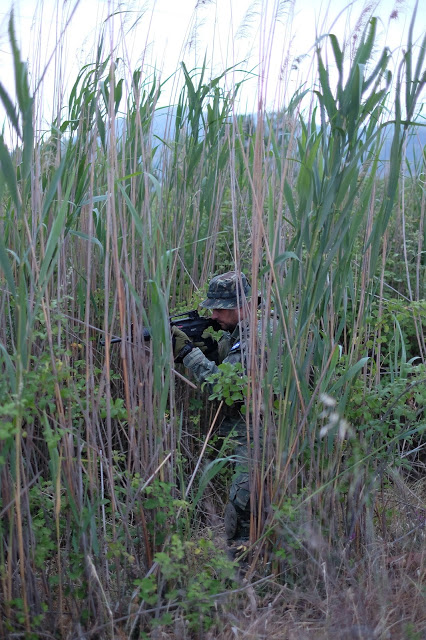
161	33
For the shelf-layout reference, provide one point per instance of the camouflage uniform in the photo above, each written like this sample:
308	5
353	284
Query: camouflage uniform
232	348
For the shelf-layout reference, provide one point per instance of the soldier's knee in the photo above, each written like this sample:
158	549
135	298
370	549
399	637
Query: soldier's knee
239	493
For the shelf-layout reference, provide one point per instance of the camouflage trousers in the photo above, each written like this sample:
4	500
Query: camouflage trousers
237	511
239	493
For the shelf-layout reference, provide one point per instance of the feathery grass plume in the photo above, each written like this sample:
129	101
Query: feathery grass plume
361	25
199	21
203	3
247	24
284	8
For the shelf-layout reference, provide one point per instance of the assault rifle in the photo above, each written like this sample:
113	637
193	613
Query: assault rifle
190	323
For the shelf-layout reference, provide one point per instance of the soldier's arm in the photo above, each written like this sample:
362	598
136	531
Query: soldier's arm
201	366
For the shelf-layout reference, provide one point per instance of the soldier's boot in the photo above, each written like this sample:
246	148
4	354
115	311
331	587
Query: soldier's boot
237	523
237	529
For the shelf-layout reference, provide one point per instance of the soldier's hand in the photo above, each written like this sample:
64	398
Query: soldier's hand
207	345
180	340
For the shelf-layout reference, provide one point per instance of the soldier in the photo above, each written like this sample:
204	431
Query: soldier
228	298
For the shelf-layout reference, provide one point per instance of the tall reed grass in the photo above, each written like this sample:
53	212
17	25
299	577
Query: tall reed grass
106	500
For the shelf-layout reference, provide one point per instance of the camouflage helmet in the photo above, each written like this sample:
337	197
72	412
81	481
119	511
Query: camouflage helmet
225	291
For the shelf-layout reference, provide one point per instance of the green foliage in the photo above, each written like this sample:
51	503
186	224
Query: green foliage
42	523
164	508
397	325
229	383
411	633
190	574
392	413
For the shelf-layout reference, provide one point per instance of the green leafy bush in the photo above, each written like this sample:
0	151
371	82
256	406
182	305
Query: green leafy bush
191	574
229	383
